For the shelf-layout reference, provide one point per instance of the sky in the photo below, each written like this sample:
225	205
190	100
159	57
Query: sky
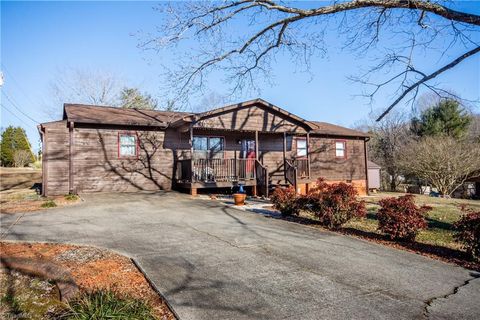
40	38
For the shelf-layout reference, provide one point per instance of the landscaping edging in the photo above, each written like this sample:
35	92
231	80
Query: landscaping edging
86	268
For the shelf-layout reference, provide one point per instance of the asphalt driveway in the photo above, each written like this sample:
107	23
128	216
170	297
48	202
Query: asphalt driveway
213	262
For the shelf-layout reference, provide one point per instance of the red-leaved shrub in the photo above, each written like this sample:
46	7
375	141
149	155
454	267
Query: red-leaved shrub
400	218
286	201
333	204
468	228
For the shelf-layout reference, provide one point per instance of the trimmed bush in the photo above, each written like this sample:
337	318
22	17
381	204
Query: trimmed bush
400	218
286	201
106	304
468	228
334	204
49	204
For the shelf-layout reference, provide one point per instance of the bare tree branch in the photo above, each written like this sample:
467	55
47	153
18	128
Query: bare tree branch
272	26
429	77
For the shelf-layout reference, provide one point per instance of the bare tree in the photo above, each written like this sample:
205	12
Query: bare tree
270	28
210	101
86	86
443	162
389	139
21	158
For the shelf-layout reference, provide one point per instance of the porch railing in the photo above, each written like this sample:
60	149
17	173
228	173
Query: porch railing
302	168
215	170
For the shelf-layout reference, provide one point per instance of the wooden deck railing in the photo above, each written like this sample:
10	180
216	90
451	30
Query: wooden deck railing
302	168
215	170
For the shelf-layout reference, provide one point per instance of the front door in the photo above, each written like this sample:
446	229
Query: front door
249	156
248	149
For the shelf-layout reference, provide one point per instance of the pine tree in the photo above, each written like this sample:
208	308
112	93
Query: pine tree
13	139
132	98
447	118
7	147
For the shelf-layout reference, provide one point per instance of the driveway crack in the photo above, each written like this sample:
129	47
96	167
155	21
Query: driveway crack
218	238
428	303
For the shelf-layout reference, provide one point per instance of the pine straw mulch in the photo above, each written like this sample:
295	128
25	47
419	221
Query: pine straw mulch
27	200
93	269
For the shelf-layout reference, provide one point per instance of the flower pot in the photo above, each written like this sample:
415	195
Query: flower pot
239	198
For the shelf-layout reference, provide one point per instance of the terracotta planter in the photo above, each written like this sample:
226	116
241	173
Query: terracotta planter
239	198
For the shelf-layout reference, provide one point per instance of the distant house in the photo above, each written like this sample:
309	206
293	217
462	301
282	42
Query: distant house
257	144
374	182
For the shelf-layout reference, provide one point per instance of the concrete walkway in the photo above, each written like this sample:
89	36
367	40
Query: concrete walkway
214	262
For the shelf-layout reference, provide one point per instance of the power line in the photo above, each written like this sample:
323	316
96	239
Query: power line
15	106
13	114
18	84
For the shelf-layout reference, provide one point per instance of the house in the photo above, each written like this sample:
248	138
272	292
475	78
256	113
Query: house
257	144
374	182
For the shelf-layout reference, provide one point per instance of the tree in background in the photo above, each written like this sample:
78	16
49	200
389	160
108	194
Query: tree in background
446	118
389	138
132	98
13	140
84	86
443	161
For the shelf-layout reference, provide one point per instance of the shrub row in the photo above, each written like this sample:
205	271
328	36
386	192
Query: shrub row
399	218
332	204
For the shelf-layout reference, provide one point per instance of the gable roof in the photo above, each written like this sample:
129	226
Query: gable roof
82	113
332	129
256	102
93	114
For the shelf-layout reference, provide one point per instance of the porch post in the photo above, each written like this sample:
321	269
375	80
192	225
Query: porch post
284	154
256	145
308	153
191	153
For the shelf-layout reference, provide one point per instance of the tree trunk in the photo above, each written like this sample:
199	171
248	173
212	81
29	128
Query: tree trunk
393	183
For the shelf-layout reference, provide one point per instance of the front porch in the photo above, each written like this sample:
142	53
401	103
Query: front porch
226	173
227	158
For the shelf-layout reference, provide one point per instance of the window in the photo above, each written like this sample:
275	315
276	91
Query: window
127	145
301	147
340	151
208	147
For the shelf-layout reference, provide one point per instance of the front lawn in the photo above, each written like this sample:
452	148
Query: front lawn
437	241
440	219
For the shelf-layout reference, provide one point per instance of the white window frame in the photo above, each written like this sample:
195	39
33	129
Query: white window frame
122	144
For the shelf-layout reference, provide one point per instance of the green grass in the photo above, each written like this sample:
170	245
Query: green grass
105	304
49	204
444	213
71	197
25	297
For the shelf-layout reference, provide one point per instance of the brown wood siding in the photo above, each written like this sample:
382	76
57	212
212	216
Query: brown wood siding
99	168
252	118
55	157
323	162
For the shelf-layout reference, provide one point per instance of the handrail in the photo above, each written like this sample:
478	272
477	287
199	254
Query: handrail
302	167
262	177
291	173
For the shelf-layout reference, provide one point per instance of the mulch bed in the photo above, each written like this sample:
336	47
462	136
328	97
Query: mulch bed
92	269
26	200
435	252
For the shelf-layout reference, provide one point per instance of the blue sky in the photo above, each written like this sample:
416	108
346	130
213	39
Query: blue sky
39	38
